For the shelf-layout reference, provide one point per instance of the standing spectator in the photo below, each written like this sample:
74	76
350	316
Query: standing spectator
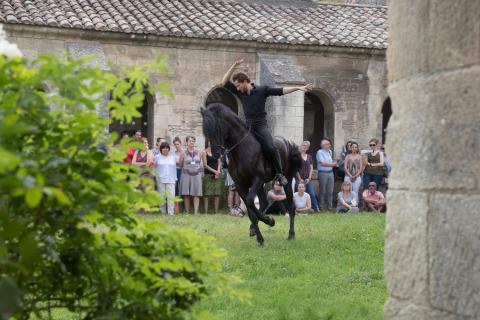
143	157
276	200
233	198
387	168
325	165
212	182
305	173
166	174
374	170
191	178
156	150
125	138
303	204
346	150
138	136
373	199
346	199
179	155
354	168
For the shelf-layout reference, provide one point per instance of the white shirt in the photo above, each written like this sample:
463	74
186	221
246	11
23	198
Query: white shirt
166	168
301	201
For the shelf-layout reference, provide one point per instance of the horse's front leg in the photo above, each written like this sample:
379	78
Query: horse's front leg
254	229
262	198
291	209
257	189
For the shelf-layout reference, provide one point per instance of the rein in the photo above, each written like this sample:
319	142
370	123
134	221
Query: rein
228	150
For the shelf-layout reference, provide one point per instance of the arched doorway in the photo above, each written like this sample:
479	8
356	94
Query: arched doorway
144	123
318	120
386	114
222	95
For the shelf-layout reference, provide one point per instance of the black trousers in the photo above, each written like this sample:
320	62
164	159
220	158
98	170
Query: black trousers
277	207
264	137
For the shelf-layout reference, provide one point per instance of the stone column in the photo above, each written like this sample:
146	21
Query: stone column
287	112
432	250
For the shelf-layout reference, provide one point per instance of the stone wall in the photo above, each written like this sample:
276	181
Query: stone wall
352	82
432	250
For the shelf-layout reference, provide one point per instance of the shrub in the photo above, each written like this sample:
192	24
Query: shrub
69	237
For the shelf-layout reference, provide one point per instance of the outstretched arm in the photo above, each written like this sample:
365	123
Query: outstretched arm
229	73
306	88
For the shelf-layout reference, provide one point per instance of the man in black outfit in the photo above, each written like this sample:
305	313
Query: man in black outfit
253	100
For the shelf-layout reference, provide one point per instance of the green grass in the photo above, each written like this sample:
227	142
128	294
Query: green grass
333	270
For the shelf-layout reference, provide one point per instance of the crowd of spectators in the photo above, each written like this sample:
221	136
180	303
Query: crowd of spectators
183	176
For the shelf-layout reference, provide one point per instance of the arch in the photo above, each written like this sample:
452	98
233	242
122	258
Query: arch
144	123
222	95
386	114
318	120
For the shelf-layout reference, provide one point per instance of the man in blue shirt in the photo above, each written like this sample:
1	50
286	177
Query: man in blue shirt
253	100
325	165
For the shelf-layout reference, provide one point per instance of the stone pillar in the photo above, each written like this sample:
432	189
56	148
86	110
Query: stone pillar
288	113
432	250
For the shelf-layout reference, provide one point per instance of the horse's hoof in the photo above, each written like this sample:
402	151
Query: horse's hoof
252	233
291	237
271	222
260	243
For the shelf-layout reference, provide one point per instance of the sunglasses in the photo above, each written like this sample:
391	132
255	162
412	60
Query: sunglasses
371	186
372	145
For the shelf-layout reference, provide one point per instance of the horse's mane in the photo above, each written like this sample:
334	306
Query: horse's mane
212	127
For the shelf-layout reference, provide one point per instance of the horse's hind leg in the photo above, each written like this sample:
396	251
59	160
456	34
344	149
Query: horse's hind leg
291	209
254	229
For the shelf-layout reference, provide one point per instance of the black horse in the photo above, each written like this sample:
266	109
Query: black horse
247	165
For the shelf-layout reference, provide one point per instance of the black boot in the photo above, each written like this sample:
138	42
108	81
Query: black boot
277	166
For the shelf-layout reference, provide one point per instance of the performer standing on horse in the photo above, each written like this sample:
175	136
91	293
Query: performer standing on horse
253	100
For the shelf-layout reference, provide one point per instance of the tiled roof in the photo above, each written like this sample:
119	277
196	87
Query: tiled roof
320	25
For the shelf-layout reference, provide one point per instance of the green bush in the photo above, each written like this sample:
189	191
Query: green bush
69	238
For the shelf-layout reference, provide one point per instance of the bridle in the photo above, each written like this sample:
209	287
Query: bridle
226	151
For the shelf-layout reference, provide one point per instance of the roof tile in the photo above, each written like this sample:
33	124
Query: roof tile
324	24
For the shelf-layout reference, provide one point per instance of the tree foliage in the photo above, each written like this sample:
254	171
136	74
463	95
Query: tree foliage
69	236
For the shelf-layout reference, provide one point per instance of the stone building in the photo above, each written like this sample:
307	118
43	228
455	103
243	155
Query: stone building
338	48
432	236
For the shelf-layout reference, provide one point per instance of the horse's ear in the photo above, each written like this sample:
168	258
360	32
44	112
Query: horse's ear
202	110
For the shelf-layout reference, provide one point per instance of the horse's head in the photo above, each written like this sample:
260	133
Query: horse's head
212	130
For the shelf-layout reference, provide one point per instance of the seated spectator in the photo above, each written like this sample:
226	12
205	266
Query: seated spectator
346	199
303	204
373	199
276	200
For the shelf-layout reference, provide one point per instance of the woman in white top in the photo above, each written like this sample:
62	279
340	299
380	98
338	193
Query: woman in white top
179	154
166	172
303	203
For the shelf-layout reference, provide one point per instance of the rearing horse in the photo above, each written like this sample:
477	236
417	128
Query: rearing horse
247	165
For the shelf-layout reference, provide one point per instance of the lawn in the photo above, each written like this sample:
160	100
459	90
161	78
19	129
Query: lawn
333	270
